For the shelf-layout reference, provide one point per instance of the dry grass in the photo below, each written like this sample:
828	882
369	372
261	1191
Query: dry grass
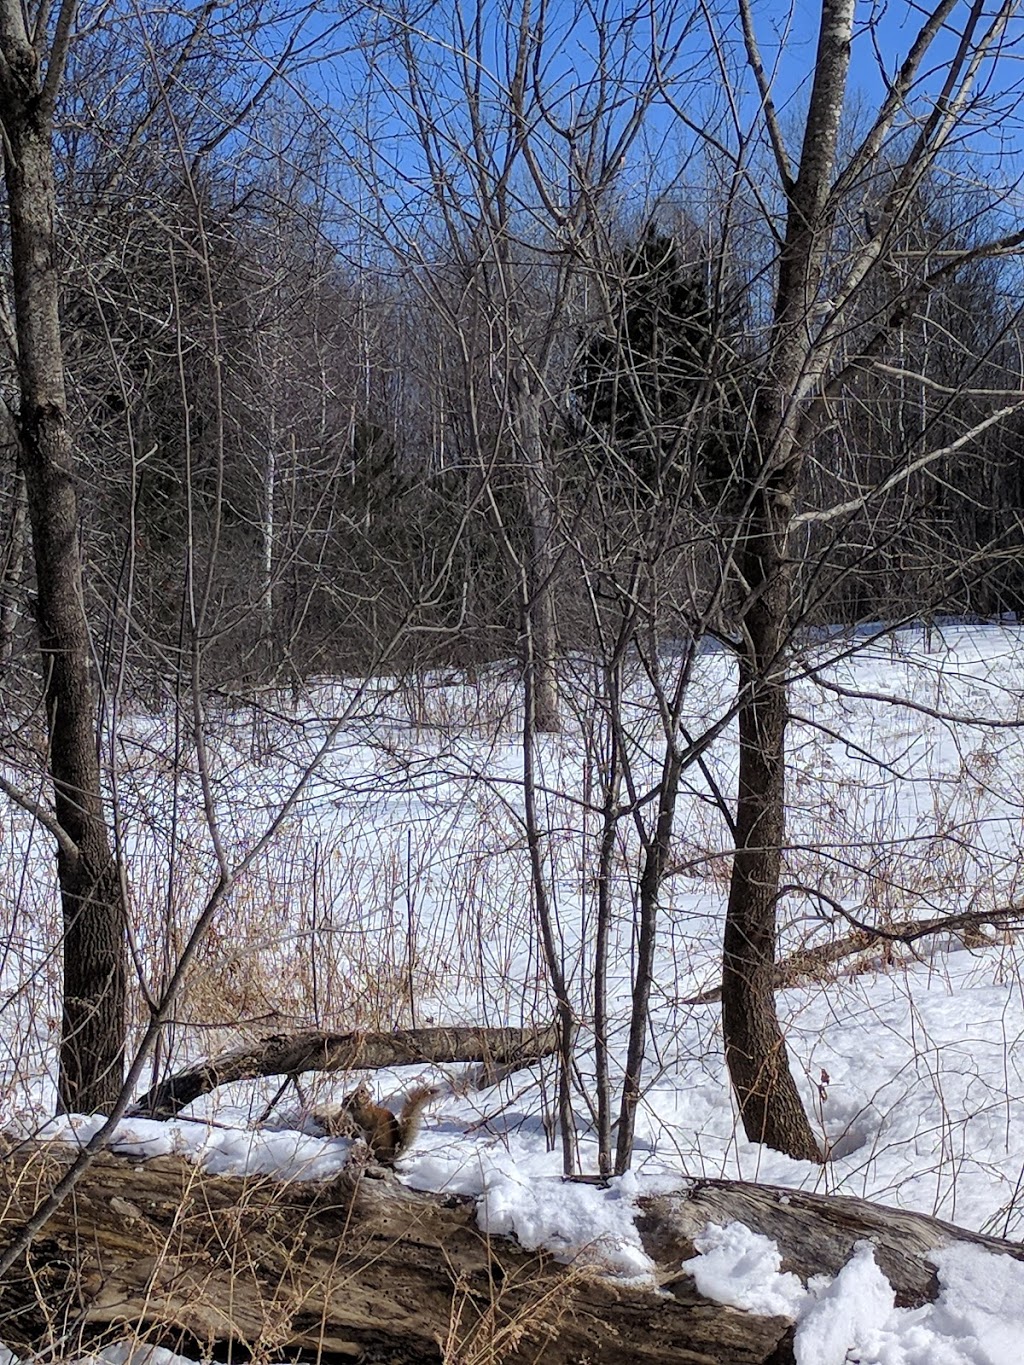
522	1309
400	894
166	1256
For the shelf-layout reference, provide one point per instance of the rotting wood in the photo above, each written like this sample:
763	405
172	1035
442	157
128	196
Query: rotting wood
332	1267
292	1054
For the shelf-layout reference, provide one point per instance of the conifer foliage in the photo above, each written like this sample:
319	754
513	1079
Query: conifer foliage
651	395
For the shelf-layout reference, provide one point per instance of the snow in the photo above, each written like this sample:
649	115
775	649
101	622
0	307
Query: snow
398	893
741	1268
842	1318
977	1318
579	1223
220	1150
128	1353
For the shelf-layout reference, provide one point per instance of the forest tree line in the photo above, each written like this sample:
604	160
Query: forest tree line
306	422
390	340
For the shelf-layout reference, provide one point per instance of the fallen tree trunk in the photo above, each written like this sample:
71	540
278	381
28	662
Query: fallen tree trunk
815	963
292	1054
363	1264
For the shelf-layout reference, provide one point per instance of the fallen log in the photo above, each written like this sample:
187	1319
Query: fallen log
292	1054
816	962
360	1265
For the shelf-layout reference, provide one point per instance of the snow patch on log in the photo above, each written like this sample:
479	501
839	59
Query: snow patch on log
977	1318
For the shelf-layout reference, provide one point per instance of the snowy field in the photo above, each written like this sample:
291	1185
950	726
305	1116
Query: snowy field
398	892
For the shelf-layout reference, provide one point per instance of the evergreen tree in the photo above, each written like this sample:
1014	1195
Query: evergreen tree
652	395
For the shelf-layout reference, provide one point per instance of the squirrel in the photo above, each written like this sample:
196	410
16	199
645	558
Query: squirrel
386	1134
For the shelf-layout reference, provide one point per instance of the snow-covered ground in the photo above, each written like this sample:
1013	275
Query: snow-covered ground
398	892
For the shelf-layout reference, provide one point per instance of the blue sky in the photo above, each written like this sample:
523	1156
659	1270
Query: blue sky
352	90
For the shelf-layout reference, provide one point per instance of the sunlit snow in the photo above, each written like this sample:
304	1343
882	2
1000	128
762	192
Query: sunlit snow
405	862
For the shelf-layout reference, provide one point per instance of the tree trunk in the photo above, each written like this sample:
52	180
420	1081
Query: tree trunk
758	1061
92	1037
542	627
651	880
501	1050
821	961
365	1268
11	599
755	1049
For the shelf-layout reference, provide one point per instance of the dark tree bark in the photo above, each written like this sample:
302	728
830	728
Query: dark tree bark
92	1036
799	375
770	1104
756	1054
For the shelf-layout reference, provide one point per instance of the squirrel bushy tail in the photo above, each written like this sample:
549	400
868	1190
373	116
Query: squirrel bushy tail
386	1134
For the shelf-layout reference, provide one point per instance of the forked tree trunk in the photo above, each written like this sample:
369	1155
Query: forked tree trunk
92	1037
755	1049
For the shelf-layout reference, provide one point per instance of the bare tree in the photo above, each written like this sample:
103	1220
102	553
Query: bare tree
92	1035
35	52
799	375
317	405
508	225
